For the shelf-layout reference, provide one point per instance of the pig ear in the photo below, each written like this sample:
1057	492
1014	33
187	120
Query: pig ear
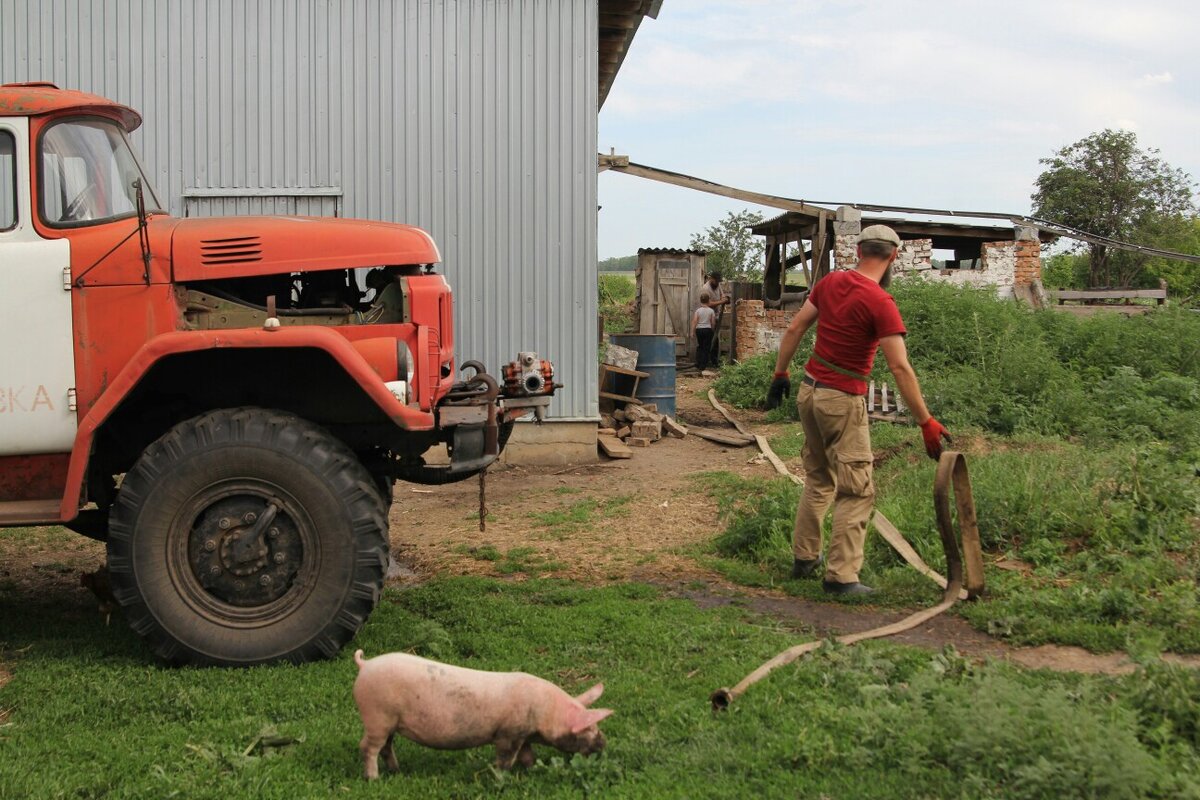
591	695
588	718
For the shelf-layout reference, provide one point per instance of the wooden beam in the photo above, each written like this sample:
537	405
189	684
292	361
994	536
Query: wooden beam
1109	294
701	185
729	439
819	249
613	447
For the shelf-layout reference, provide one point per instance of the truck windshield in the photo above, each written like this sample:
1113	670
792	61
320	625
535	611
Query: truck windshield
87	174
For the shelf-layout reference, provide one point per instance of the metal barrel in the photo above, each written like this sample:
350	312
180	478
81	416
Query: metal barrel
656	356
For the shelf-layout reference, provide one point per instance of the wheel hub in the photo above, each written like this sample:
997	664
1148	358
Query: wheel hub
236	562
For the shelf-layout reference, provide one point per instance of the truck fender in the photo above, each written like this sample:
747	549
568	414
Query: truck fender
168	344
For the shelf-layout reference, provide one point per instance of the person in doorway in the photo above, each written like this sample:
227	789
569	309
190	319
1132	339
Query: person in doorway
717	301
854	316
703	327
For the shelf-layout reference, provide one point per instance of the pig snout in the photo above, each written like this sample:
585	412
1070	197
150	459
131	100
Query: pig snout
595	744
585	743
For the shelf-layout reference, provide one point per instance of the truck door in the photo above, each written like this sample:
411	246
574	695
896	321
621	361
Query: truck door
37	354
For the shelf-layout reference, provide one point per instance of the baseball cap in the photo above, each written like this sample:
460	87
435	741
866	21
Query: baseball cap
879	233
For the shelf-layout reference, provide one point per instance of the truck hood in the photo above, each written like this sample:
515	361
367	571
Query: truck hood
234	247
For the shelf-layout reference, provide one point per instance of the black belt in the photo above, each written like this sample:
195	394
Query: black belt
816	384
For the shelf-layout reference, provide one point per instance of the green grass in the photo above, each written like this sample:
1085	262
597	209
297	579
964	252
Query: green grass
1085	467
1108	534
517	560
616	295
562	521
89	715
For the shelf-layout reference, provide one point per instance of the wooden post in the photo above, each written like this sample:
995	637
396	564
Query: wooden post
819	249
783	243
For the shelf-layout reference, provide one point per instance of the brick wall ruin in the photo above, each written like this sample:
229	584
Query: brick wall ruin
759	329
915	255
1003	265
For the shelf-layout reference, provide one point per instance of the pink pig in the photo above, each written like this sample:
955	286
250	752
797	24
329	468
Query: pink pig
452	708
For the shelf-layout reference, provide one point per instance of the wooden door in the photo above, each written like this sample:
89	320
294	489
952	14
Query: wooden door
674	311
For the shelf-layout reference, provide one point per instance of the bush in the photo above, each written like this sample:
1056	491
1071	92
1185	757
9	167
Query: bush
616	296
996	365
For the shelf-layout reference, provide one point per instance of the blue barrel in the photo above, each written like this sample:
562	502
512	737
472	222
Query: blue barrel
656	356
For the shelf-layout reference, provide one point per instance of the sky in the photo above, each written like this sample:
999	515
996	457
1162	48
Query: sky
941	103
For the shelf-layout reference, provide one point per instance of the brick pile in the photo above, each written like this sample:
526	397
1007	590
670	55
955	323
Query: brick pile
635	426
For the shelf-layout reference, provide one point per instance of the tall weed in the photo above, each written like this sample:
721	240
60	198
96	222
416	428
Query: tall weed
1007	369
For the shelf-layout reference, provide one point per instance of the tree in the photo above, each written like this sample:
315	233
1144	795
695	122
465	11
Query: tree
1182	277
732	249
1104	184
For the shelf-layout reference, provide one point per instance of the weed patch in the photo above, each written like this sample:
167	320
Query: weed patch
1083	436
1108	536
996	365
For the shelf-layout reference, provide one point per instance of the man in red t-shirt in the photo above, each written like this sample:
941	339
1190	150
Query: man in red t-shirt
854	317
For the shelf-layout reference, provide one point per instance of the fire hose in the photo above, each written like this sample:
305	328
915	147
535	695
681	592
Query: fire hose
964	570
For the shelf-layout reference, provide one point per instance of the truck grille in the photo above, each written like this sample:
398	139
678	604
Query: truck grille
234	250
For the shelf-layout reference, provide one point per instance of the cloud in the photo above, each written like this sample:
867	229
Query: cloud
947	102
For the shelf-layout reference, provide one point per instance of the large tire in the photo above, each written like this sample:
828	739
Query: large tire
200	587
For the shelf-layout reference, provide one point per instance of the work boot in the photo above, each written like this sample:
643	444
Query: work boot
806	567
833	587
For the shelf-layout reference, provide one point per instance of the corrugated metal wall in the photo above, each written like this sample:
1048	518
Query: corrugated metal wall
475	119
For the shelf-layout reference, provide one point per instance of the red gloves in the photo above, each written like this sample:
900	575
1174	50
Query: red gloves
933	432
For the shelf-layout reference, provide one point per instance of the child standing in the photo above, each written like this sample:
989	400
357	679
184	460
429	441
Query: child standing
702	331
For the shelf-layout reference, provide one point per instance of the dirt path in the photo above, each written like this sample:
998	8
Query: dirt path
617	520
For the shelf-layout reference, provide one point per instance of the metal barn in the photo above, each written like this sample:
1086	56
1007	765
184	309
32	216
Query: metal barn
474	119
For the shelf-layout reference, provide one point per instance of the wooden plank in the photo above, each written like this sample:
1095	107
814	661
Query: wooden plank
780	467
871	397
622	397
721	437
1109	294
613	447
892	535
1088	311
883	397
819	248
712	398
624	371
699	184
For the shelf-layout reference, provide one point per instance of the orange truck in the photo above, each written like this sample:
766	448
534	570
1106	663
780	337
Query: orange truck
225	402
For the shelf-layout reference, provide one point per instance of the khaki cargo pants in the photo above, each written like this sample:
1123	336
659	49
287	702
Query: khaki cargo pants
838	466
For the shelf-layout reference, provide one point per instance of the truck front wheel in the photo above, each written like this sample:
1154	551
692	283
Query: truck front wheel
247	536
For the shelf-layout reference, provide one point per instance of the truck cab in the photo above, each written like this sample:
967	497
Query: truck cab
225	402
